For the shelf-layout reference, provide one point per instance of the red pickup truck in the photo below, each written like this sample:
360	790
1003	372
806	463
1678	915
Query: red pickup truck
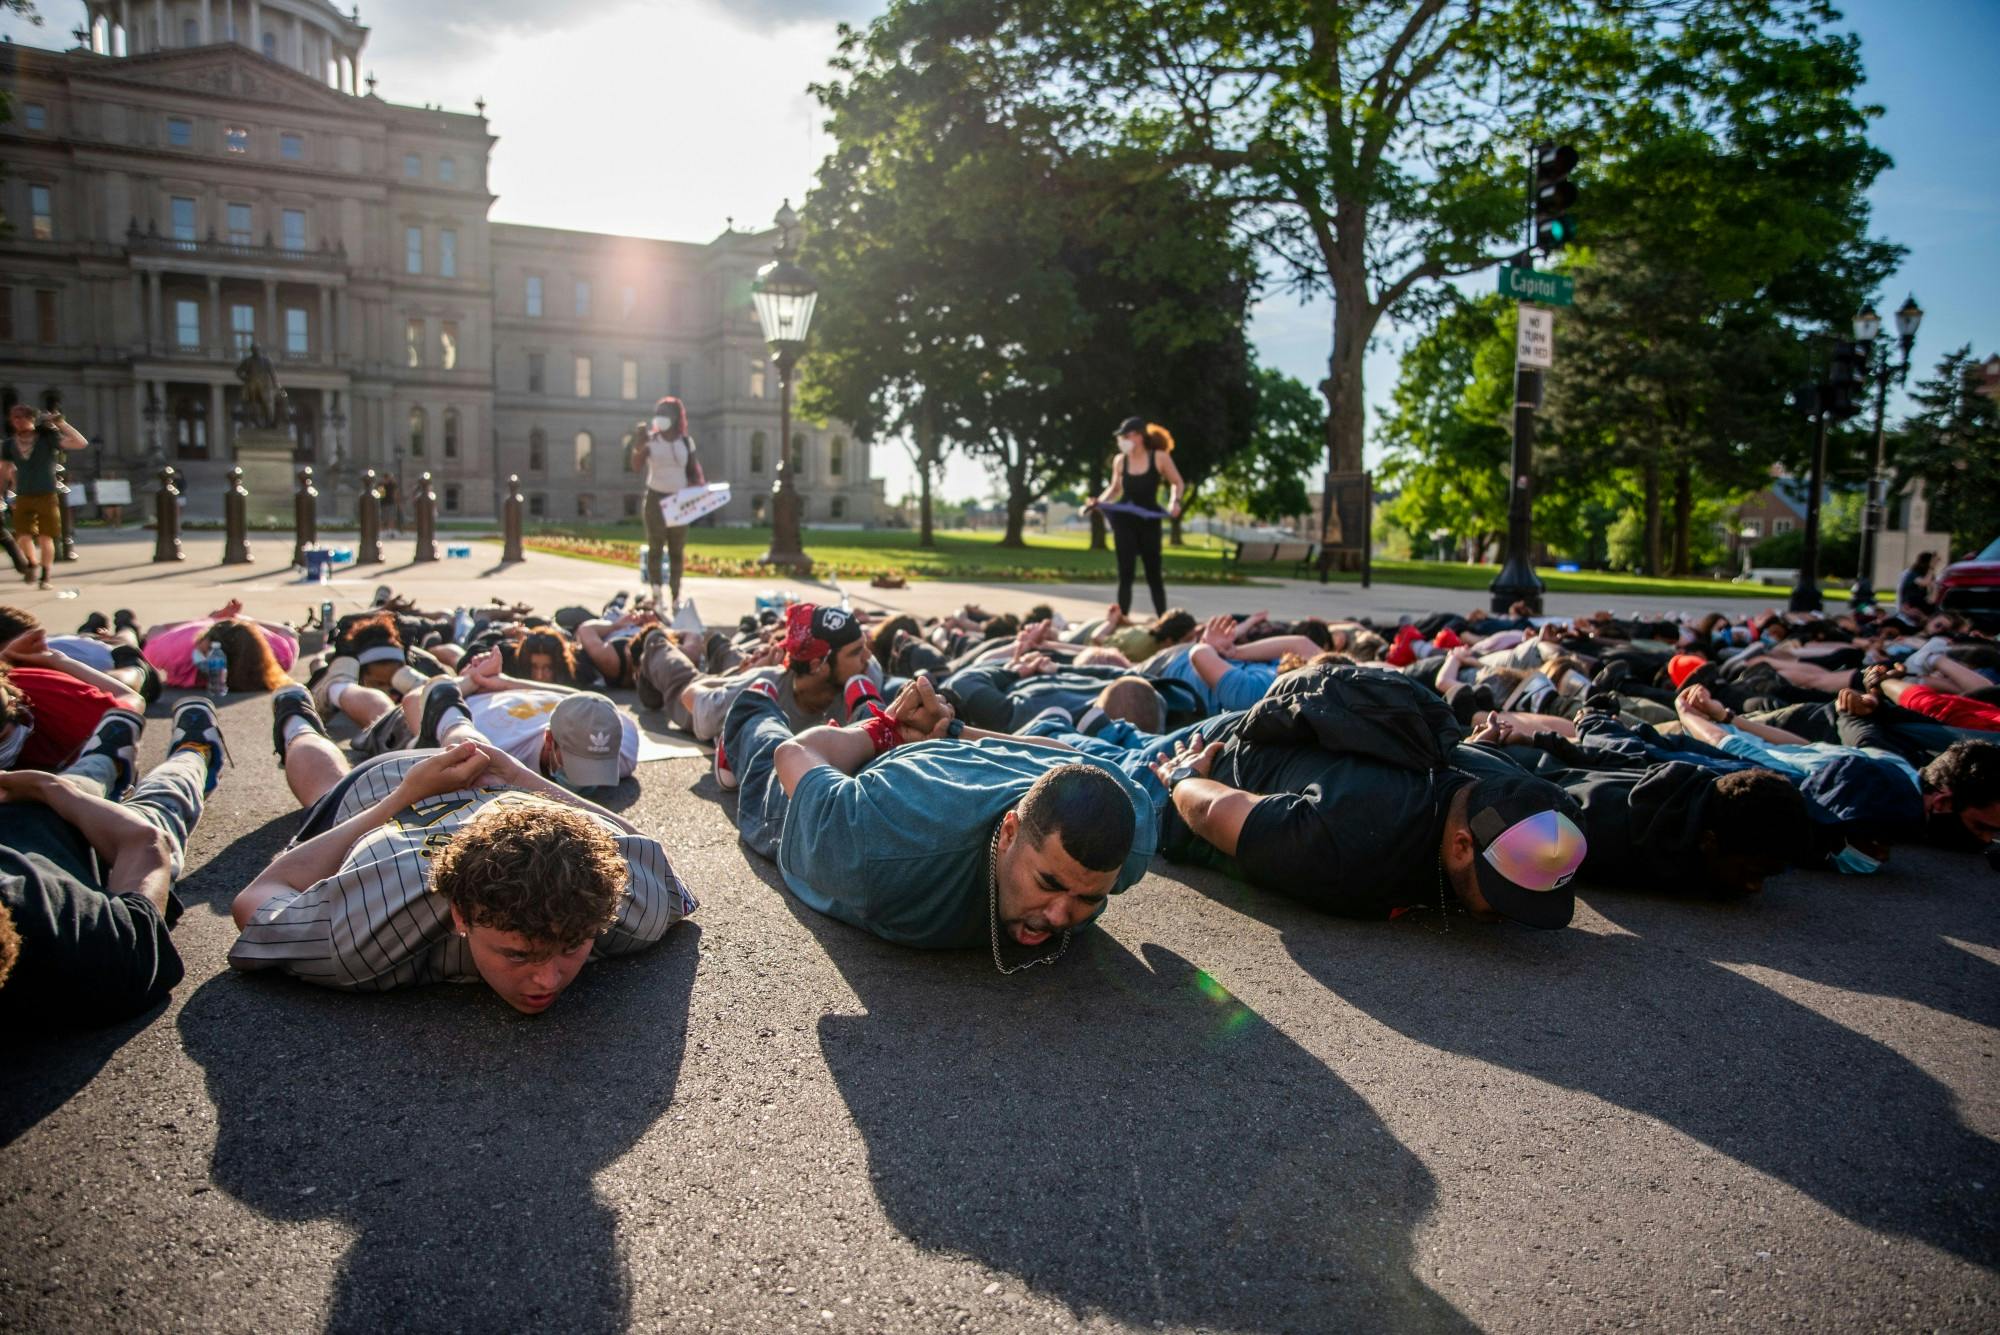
1972	586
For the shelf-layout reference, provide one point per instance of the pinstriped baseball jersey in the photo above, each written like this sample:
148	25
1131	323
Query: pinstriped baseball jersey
374	924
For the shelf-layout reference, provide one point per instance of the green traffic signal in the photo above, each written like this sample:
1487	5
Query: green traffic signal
1552	195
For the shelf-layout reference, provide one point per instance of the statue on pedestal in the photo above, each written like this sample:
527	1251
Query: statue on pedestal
263	404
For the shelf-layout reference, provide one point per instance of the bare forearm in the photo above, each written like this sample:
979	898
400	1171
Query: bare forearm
1768	733
845	749
103	681
981	735
1703	728
1272	648
1214	811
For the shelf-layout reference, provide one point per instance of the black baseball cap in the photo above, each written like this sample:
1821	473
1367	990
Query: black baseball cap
1130	425
1527	848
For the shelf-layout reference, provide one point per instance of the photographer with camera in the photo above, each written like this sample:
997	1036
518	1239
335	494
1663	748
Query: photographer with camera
32	447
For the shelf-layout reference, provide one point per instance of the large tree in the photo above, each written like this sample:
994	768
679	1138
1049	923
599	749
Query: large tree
1952	442
991	288
1267	480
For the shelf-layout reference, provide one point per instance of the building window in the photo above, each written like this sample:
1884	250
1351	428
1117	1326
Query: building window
41	211
631	505
583	298
1781	526
235	139
448	345
294	224
583	377
628	301
180	132
451	434
413	250
447	170
1753	528
836	456
35	116
242	328
674	378
270	46
180	211
756	451
448	253
583	454
537	382
837	508
413	338
538	451
190	33
583	503
413	167
292	146
295	332
757	509
187	324
239	225
45	315
191	427
450	493
6	315
756	377
538	505
417	424
628	379
798	460
535	295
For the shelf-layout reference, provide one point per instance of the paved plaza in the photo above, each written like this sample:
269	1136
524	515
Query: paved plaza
1221	1112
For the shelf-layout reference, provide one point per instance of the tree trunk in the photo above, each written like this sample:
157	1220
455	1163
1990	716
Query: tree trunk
1017	500
926	466
1652	476
1346	414
1096	489
1683	515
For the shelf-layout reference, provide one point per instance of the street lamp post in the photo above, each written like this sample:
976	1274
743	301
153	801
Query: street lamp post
784	295
1867	328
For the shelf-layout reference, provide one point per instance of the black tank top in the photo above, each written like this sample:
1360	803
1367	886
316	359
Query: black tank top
1144	488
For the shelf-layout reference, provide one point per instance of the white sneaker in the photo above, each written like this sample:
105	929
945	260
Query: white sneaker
1920	663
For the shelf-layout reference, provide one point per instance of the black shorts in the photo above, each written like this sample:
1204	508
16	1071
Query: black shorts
320	816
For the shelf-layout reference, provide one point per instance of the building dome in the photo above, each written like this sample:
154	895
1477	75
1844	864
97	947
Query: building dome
310	36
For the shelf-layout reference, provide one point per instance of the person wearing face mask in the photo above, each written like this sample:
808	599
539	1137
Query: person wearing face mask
1132	504
663	450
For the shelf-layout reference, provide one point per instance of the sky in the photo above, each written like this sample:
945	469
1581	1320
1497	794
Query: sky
669	120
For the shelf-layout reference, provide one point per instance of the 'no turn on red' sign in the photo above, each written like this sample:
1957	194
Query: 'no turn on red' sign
1535	340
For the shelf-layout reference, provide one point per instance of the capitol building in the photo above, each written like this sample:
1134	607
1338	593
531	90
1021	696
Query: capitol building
198	175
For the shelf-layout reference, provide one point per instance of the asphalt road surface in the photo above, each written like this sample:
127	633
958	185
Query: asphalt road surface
1221	1112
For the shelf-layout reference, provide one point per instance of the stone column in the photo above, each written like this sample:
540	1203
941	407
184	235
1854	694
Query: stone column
155	331
217	336
271	332
323	345
160	42
256	27
345	342
221	441
207	23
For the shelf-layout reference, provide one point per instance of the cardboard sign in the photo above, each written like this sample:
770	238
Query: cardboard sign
691	503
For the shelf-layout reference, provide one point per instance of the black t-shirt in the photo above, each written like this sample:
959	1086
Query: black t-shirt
85	957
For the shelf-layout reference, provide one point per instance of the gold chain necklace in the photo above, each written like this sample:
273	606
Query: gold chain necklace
993	911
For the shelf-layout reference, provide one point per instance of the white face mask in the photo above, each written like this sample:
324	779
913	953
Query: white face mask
10	747
663	424
1130	444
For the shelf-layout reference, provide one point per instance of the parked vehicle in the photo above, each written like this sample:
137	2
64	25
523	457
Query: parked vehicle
1972	586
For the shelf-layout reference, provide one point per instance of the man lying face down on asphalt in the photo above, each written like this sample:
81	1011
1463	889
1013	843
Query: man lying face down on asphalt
1347	789
927	833
446	866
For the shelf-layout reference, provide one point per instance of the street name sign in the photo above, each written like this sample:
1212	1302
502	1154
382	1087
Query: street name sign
1551	289
1535	339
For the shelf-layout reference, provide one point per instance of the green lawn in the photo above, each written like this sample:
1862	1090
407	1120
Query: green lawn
1055	558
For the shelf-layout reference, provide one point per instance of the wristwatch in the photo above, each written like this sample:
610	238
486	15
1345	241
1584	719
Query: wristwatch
955	728
1179	773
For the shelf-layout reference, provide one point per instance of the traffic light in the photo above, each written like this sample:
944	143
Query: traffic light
1847	380
1554	194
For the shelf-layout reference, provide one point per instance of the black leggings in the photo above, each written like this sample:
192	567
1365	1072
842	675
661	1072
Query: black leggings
1136	538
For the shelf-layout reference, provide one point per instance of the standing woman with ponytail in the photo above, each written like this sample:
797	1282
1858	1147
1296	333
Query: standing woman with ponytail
1132	503
664	451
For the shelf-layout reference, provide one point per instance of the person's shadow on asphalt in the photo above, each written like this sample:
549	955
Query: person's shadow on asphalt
1125	1136
457	1139
1657	1023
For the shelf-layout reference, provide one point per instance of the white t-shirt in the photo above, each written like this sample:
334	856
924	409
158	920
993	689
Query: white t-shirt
667	463
515	721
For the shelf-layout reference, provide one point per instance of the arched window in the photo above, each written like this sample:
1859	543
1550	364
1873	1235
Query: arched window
538	451
451	433
838	507
583	453
417	424
756	451
798	464
836	456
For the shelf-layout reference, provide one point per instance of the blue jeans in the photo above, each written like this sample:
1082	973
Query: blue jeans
752	732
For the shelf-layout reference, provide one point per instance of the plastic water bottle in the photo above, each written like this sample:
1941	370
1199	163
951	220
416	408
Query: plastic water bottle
216	669
326	619
457	551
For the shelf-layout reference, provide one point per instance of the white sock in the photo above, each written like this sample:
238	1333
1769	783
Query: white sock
334	690
655	590
453	717
294	726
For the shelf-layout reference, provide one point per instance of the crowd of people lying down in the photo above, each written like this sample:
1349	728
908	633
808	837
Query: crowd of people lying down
981	780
